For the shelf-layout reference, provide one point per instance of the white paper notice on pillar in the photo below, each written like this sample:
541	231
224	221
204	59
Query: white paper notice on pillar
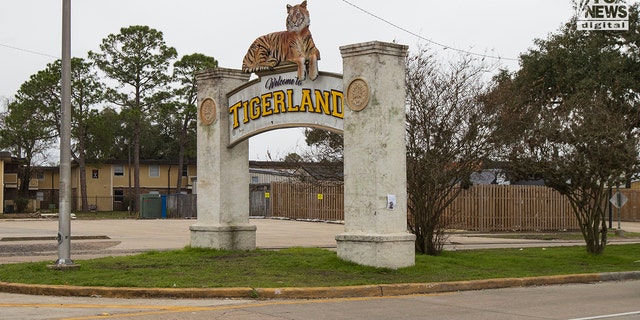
391	202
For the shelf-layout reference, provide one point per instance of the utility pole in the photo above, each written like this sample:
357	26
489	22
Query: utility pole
64	214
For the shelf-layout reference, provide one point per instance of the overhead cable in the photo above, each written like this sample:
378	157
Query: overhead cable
425	39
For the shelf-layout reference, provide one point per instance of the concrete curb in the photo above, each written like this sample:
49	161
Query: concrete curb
314	292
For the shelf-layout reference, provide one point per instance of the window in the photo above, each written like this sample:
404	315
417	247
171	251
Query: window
154	170
118	170
94	173
254	179
40	175
40	196
185	170
118	195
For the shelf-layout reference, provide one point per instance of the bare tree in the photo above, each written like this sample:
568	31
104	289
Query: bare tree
448	138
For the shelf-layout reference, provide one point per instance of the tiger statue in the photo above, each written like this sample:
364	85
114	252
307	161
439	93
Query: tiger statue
293	45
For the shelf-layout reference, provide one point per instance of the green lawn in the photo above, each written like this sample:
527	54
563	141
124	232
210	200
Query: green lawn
106	215
300	267
79	215
550	236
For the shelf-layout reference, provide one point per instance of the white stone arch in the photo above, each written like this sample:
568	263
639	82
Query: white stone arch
374	154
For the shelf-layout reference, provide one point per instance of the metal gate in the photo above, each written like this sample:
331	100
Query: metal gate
260	200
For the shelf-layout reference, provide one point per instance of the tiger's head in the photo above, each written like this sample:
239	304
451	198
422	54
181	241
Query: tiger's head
297	17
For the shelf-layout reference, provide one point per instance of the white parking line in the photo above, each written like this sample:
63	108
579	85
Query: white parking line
609	316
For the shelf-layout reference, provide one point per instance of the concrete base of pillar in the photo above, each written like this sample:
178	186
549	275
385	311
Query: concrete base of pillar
393	251
224	237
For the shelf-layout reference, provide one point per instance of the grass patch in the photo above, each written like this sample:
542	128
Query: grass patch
79	215
611	235
105	215
301	267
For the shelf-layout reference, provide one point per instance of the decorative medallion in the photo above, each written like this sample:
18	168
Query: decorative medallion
208	111
357	94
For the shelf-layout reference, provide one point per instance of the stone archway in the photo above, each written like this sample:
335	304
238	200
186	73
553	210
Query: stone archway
375	158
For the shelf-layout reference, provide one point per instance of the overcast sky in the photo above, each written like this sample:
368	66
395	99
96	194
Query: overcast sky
30	32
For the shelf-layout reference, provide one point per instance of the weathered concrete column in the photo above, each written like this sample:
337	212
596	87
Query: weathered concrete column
375	189
223	173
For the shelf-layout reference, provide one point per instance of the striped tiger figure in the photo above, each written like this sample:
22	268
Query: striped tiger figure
293	45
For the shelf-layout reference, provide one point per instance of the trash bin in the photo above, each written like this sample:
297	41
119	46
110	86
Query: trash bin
150	206
164	206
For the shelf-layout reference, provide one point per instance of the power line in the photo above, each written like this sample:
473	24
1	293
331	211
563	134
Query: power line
28	51
425	39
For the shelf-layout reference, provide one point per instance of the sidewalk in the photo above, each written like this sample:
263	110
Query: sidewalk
34	239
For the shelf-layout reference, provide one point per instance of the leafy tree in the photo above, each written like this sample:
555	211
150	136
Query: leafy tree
326	146
449	135
110	137
44	89
105	139
138	60
180	117
570	116
159	142
28	128
86	92
292	158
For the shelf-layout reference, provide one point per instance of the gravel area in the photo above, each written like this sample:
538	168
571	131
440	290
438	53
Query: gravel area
37	249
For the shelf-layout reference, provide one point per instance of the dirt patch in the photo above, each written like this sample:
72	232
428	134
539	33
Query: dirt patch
35	249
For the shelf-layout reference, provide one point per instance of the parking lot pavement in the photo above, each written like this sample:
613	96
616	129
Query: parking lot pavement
34	239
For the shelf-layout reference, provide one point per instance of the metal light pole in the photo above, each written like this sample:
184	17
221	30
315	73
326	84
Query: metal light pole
64	215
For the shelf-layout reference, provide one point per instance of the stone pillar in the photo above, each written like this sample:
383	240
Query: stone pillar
223	173
375	157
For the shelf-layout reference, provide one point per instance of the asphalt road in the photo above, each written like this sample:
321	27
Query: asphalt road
605	300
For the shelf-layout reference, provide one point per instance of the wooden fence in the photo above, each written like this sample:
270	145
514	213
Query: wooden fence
306	201
182	206
631	210
480	208
511	208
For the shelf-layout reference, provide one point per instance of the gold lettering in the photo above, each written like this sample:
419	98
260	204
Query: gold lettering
337	99
234	110
266	105
278	102
322	101
245	106
306	101
254	108
290	106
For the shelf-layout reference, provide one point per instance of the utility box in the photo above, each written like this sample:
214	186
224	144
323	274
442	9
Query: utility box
150	206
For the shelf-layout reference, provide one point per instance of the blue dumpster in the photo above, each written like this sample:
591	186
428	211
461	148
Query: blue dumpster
164	206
